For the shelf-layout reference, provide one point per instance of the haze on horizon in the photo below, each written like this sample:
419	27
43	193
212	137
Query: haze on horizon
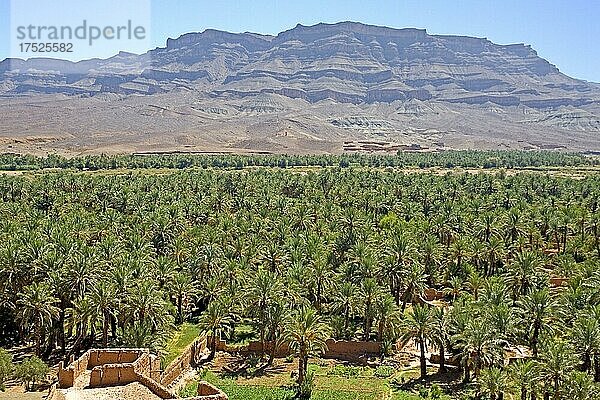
562	32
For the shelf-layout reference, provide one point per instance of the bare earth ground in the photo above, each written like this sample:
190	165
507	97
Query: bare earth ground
192	122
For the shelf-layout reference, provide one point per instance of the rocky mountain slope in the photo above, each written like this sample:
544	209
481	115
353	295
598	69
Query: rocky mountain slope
322	88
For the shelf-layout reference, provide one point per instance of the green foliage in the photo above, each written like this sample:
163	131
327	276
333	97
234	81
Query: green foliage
346	371
447	159
6	367
31	371
306	387
117	256
384	371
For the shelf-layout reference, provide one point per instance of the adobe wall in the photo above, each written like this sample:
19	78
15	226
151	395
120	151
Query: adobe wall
206	391
432	294
112	375
350	350
189	358
68	375
283	350
155	387
113	356
122	373
119	367
337	349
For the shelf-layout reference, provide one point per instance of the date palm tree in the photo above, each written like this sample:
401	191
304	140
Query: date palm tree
102	301
478	347
585	338
440	334
37	310
369	291
307	336
523	378
493	383
213	322
536	310
418	326
387	316
344	303
557	361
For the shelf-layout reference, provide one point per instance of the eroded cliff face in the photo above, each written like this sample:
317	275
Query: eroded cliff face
345	62
311	87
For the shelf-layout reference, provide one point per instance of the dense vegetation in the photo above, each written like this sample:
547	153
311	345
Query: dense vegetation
103	259
449	159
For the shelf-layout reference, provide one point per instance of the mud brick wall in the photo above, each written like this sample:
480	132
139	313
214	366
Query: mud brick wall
113	356
113	375
189	358
155	387
432	294
350	350
143	364
337	349
207	391
282	350
68	375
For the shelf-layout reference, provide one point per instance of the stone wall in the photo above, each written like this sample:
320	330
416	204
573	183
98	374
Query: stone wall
189	358
122	372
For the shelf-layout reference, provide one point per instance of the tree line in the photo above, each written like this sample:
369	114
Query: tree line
446	159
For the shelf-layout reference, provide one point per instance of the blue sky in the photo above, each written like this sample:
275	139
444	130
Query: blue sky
562	31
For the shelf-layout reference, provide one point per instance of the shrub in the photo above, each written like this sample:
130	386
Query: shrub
6	367
384	371
31	371
435	392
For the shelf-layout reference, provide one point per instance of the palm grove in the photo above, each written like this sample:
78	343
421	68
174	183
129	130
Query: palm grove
119	259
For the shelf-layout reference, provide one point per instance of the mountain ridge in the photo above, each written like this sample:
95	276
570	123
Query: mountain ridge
348	72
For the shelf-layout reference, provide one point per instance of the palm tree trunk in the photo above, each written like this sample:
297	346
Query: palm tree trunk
213	346
105	330
467	377
442	358
271	353
61	333
38	340
534	340
587	362
179	309
346	320
596	367
300	369
423	359
523	393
